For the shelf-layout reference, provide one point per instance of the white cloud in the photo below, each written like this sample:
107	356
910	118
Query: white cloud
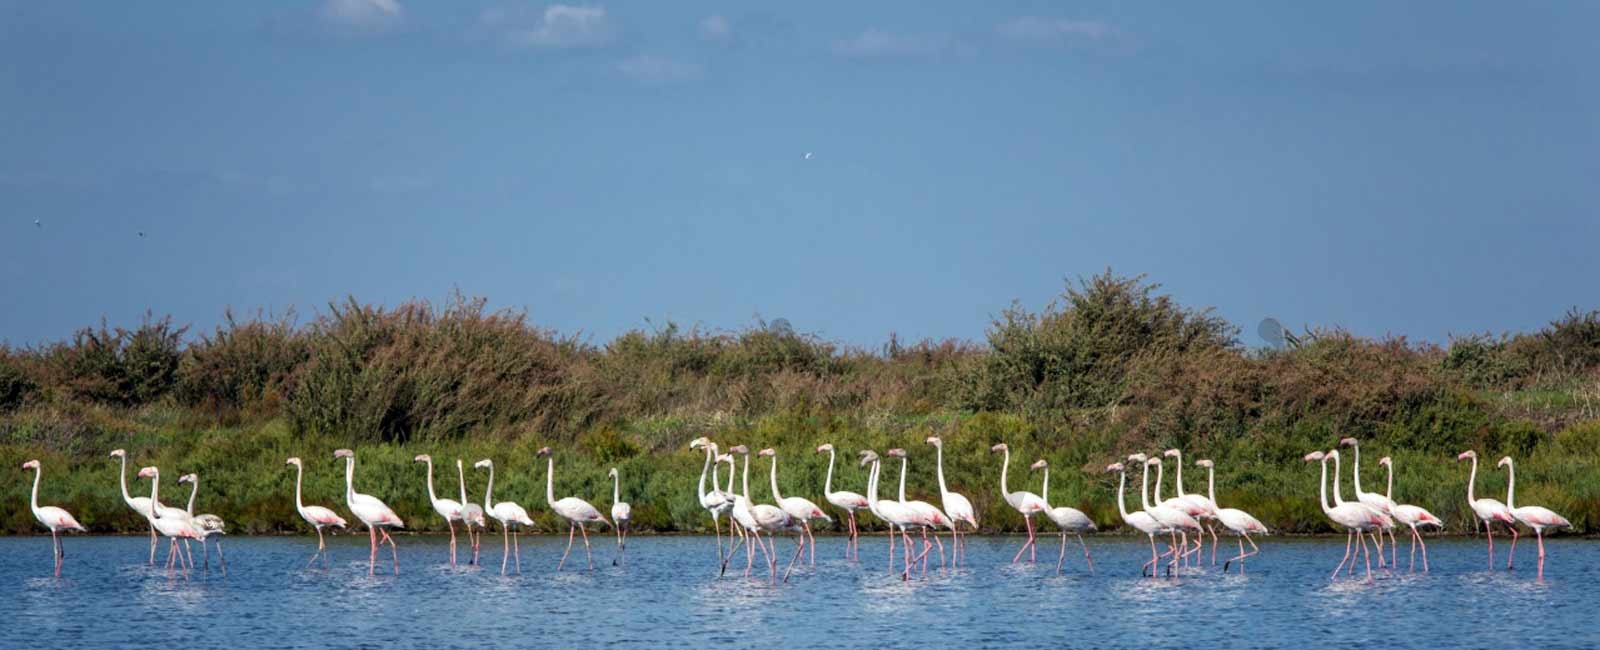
1034	31
367	15
655	70
559	27
716	28
877	43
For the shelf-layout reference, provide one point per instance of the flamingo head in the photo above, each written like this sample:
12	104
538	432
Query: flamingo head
1332	453
1172	453
1204	462
119	453
483	463
697	443
1114	467
1504	462
725	458
998	448
343	453
293	460
189	478
1348	442
1153	461
934	440
147	472
32	464
422	458
1137	458
824	447
895	453
767	453
739	449
1314	456
612	473
543	452
1384	461
1039	464
1466	454
868	456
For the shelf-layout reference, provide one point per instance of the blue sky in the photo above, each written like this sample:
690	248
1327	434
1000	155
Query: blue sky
1408	168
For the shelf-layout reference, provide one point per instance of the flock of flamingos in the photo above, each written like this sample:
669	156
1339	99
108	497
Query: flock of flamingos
1176	519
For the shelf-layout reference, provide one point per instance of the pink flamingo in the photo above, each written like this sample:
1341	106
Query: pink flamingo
1488	510
1201	507
1382	519
508	513
205	525
847	501
1138	519
576	511
170	526
1536	517
140	505
1372	500
743	514
1240	522
621	513
956	506
450	509
1174	518
802	510
1410	515
716	502
1354	517
774	520
928	517
893	513
1196	509
372	512
1069	520
56	519
1027	503
472	516
318	516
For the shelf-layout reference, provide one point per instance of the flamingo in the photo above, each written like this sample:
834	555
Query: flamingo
849	502
928	517
1202	507
172	527
450	509
140	505
1233	519
372	512
955	505
56	519
206	525
1354	517
507	513
1372	500
1384	521
1138	519
576	511
1176	521
318	516
742	514
1069	520
1027	503
621	512
1487	510
1411	516
1536	517
472	516
776	519
800	509
892	513
1183	504
715	502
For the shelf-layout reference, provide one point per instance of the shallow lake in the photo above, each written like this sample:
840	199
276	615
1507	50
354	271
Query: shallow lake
668	594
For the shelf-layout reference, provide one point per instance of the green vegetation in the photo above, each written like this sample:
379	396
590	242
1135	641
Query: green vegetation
1113	367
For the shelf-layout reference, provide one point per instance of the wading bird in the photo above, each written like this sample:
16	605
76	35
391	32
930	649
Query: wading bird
1372	500
742	515
1489	511
1201	507
849	502
450	509
205	525
576	511
56	519
170	526
621	513
802	510
1175	520
1138	519
372	512
1410	515
775	519
472	517
1240	522
318	516
1026	503
1069	520
929	518
716	502
893	513
140	505
955	505
509	514
1536	517
1354	517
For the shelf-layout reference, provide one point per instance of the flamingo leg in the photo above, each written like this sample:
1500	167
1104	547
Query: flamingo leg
586	552
1538	534
1029	522
153	543
505	546
941	549
1411	566
394	551
1153	559
1368	555
452	524
572	530
1213	528
716	528
1342	559
1394	550
55	550
850	533
372	561
800	541
222	558
516	549
1424	552
813	542
319	548
1514	535
891	548
1488	529
205	555
1062	558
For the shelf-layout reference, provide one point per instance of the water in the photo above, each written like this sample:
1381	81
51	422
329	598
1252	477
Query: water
668	596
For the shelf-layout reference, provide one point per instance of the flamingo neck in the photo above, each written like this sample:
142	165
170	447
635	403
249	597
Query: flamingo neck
1122	504
1178	459
1046	495
1322	487
488	490
701	489
1159	467
349	480
33	501
461	478
1472	477
1005	466
431	496
1511	486
299	478
939	453
1211	485
903	460
1388	490
616	487
872	485
827	483
1338	500
774	477
550	481
747	476
1355	468
124	480
155	482
733	470
194	488
1144	488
